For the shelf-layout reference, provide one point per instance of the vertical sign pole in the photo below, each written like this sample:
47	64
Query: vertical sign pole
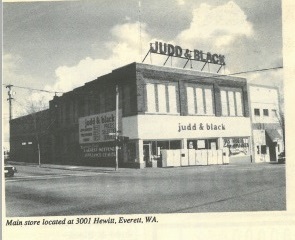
117	124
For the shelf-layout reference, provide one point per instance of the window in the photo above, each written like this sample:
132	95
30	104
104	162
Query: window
190	100
239	103
202	144
274	113
172	99
199	100
231	102
224	108
263	149
256	112
265	112
151	98
161	98
157	146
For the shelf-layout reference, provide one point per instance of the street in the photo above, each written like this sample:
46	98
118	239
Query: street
46	191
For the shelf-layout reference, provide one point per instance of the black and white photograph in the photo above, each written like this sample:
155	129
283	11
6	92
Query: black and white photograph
120	113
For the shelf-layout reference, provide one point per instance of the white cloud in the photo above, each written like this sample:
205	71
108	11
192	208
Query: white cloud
216	27
268	78
210	26
180	2
10	67
123	50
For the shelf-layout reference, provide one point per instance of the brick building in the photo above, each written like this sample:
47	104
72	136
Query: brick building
159	108
26	133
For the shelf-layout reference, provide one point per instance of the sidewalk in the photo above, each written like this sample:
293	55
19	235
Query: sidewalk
168	170
74	168
99	169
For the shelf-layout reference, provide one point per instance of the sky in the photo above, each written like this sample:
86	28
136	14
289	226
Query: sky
60	45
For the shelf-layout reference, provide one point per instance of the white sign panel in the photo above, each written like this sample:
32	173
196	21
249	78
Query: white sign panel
169	127
98	128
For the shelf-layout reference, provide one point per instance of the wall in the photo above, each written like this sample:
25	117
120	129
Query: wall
24	134
265	114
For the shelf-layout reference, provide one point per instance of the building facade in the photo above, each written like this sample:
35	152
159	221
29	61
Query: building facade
29	137
160	108
267	123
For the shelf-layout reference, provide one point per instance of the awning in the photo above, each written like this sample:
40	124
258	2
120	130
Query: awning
273	134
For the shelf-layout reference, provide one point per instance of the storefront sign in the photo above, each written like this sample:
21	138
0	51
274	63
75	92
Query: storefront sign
190	127
98	151
98	128
200	127
177	51
238	146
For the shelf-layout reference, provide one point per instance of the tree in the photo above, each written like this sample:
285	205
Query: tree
38	110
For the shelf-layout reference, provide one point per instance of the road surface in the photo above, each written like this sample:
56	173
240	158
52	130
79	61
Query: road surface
47	191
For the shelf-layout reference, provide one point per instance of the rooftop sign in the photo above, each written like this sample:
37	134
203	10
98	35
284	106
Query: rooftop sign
179	52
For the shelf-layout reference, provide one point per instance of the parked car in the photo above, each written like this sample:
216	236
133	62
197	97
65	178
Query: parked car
282	157
9	170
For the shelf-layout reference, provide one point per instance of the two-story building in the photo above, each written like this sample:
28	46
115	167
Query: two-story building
267	123
159	108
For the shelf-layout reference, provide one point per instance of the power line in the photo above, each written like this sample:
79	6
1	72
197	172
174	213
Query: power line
33	89
196	77
256	70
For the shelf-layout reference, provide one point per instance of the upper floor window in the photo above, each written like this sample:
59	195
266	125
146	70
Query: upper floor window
231	102
256	111
199	100
265	112
274	113
161	98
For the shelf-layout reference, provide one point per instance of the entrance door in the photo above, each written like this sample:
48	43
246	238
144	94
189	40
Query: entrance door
272	152
147	155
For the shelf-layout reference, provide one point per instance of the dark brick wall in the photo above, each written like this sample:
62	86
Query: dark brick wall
28	129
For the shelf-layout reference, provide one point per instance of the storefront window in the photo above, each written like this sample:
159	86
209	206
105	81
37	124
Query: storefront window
157	146
175	144
131	152
201	144
238	146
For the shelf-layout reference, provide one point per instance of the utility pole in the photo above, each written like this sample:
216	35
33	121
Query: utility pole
34	115
117	125
9	100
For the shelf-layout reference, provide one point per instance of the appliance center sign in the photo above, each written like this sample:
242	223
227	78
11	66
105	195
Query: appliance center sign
177	51
98	128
